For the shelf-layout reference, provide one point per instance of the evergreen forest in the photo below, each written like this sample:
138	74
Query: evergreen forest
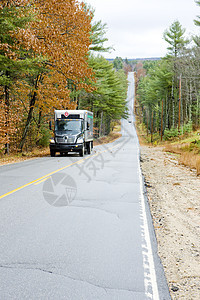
168	90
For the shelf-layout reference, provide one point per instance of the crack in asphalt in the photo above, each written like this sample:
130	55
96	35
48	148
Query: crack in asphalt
19	266
105	201
97	208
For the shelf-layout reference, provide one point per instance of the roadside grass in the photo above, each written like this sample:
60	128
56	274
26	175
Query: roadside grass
186	146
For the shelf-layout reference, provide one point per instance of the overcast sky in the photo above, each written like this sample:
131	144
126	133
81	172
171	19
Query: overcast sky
135	27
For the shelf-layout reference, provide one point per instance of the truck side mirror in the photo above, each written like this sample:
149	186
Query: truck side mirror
88	126
50	125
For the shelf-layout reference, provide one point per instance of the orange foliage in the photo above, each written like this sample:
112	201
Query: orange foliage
3	138
16	3
63	37
8	120
141	72
127	69
60	35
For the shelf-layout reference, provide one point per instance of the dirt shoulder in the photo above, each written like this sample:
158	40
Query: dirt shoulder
174	198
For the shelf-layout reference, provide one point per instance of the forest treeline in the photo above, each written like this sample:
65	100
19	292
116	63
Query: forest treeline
168	90
47	62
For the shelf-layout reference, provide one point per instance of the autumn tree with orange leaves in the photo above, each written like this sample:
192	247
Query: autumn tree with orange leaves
63	37
53	44
13	17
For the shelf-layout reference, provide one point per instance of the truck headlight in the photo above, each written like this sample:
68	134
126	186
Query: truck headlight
80	140
52	141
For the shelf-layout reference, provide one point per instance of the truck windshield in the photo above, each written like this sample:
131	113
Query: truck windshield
69	125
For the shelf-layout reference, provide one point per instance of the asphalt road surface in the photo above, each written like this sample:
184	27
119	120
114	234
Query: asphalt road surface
79	228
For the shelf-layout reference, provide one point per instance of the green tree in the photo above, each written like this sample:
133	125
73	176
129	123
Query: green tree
175	38
177	43
98	37
196	38
98	32
153	90
118	63
197	21
108	101
15	58
159	93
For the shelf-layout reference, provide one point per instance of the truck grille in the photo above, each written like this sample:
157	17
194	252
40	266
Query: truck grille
71	140
60	140
65	140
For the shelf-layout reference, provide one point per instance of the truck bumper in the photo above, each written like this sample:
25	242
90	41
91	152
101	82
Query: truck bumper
66	148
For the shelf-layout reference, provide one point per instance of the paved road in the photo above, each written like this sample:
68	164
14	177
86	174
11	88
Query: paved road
79	228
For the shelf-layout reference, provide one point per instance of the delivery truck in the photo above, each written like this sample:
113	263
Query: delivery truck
73	132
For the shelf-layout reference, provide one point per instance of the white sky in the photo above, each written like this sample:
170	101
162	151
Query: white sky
135	27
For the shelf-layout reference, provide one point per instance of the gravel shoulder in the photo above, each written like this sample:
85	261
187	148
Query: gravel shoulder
174	198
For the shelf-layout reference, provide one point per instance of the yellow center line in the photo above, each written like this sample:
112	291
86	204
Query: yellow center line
39	179
43	178
38	182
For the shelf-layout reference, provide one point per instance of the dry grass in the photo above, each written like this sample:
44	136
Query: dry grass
140	133
198	166
173	148
111	137
190	160
107	139
18	157
188	156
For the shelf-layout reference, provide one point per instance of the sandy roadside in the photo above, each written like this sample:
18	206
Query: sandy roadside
174	198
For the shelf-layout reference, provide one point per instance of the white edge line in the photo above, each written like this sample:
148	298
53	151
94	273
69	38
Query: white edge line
147	239
149	254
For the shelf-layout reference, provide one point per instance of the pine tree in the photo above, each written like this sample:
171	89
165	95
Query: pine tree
197	22
108	101
14	17
175	38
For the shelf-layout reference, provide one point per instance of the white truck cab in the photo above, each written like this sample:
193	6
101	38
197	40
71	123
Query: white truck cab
73	132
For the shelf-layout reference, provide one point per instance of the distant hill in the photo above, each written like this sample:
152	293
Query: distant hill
137	59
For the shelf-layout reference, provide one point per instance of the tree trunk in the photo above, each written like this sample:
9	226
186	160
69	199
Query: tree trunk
197	111
147	116
186	102
173	105
161	130
179	106
197	107
30	114
167	113
28	121
152	127
101	124
190	102
7	112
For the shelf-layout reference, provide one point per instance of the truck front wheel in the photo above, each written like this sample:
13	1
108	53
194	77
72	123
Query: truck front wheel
52	153
82	151
89	148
